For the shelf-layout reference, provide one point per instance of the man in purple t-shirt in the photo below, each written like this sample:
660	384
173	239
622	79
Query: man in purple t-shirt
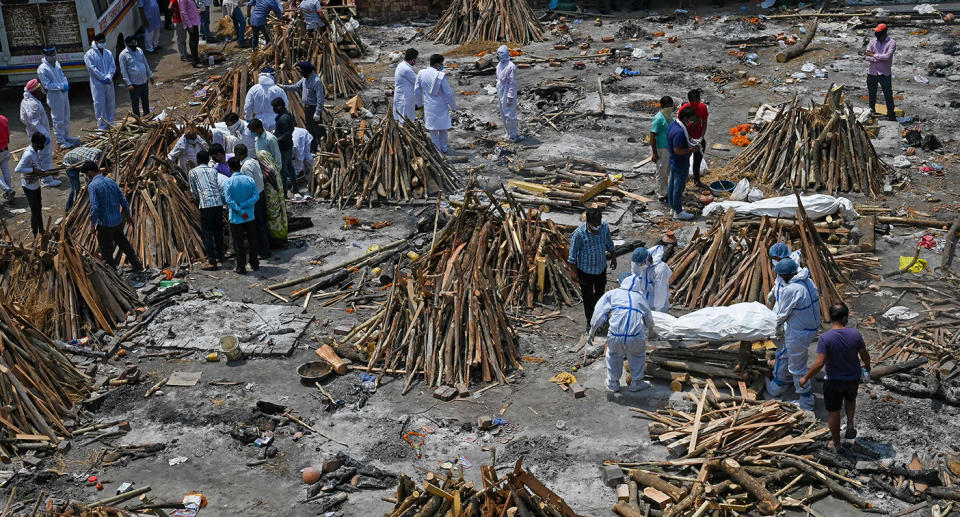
840	350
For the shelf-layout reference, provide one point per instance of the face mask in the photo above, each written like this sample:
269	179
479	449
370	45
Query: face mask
235	126
278	110
101	46
191	140
52	59
593	228
132	46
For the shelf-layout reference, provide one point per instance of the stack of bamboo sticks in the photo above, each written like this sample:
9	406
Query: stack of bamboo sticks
488	20
71	293
823	147
516	493
740	446
723	267
38	386
166	229
397	163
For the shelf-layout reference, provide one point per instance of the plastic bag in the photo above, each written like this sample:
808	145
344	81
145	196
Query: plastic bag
741	190
743	321
755	195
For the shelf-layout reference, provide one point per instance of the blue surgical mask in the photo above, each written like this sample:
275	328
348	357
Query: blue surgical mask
191	141
101	46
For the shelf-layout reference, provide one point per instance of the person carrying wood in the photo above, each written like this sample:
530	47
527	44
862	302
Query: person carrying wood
798	311
432	90
880	56
590	246
108	211
507	93
630	321
840	350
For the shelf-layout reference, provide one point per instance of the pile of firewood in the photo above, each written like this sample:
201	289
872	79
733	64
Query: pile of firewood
397	163
739	445
338	30
38	382
515	493
567	184
823	147
690	365
722	266
63	288
166	228
488	20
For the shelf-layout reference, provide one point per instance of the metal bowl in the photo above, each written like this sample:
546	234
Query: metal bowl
314	371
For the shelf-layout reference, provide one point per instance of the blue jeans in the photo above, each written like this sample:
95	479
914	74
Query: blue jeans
205	23
257	30
678	182
74	176
239	23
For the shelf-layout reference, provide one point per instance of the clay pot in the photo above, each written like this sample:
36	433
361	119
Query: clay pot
310	475
706	197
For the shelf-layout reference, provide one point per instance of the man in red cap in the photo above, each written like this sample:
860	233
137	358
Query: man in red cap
880	56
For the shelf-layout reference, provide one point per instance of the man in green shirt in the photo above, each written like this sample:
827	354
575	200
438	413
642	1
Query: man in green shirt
659	146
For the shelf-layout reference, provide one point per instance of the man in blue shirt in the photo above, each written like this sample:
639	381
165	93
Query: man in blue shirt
258	18
108	211
240	195
136	74
589	247
841	350
311	95
680	150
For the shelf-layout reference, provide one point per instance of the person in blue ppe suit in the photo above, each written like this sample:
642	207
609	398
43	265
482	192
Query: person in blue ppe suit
630	321
778	252
507	93
641	264
55	83
798	311
101	68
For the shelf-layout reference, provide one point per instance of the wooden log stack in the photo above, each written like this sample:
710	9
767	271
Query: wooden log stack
822	148
722	266
65	289
166	229
487	20
397	163
746	453
516	493
37	382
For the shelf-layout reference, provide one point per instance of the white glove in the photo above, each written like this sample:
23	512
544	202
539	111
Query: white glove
317	116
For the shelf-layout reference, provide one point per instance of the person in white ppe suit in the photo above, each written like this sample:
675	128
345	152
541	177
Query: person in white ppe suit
507	92
660	274
630	321
102	68
34	117
302	157
778	252
404	79
55	83
641	265
259	96
798	311
237	127
432	90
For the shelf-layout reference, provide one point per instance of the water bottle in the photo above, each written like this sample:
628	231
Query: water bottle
864	375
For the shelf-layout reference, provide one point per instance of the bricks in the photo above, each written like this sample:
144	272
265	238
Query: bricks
578	391
463	390
484	423
445	393
612	475
607	39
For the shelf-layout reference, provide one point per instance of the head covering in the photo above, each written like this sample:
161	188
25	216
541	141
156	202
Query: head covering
306	66
129	38
50	50
779	251
623	276
640	255
267	70
880	28
786	267
503	53
33	85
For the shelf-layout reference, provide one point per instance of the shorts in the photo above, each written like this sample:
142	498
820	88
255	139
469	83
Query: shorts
835	392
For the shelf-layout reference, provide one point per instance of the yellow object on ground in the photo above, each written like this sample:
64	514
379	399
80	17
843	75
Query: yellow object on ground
916	268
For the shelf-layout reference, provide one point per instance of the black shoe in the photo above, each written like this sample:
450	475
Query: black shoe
662	199
255	267
240	270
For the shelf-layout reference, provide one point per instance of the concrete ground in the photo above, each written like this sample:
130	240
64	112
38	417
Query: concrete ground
563	439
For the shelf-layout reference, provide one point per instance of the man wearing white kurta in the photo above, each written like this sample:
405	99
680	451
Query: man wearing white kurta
404	79
433	91
507	93
101	67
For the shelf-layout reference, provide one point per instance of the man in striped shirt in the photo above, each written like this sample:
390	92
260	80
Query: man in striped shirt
206	186
590	246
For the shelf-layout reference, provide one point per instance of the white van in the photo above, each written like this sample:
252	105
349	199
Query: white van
29	26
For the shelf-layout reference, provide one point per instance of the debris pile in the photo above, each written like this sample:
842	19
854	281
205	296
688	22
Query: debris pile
341	475
491	20
823	147
725	265
739	446
516	493
39	382
65	289
166	222
397	163
448	320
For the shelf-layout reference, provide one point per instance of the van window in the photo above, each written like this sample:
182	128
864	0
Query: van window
100	7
